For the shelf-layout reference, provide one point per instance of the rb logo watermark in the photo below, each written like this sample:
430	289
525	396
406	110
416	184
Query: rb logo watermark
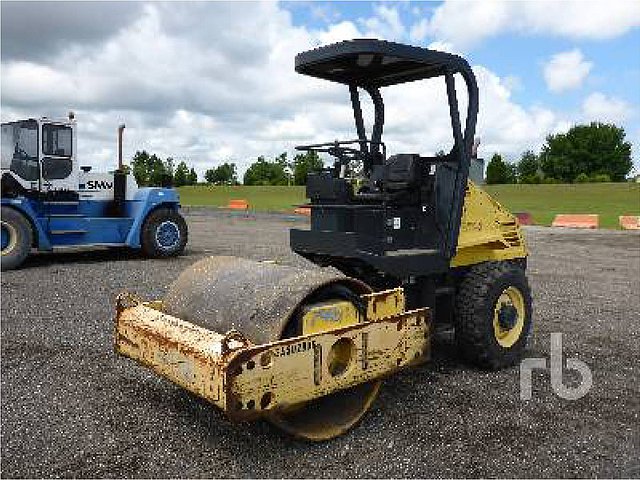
568	393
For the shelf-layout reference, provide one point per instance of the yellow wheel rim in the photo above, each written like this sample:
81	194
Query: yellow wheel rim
508	317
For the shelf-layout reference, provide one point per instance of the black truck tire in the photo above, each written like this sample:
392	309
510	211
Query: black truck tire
17	238
493	314
164	233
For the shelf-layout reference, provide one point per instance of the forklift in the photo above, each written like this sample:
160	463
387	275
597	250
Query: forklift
50	202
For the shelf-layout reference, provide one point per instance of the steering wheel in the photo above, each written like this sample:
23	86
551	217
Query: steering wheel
20	153
344	155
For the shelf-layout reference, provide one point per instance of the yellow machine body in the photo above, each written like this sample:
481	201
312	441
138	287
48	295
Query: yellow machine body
488	231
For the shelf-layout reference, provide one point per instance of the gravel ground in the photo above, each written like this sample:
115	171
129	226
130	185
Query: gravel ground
71	408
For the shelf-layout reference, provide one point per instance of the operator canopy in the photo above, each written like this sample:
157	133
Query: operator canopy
370	64
376	63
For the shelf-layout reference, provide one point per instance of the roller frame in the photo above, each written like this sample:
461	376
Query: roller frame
238	377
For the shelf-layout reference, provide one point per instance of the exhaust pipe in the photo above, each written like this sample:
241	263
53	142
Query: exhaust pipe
120	131
119	181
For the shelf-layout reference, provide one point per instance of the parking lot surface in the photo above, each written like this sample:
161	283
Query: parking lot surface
71	407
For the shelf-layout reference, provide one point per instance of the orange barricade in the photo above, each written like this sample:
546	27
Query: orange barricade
238	204
303	211
576	221
630	222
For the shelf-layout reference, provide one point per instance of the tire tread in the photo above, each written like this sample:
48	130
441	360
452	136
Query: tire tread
25	238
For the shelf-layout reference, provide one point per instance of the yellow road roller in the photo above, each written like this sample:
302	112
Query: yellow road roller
407	242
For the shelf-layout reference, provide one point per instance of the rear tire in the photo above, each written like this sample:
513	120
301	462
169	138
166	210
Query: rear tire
493	314
164	233
17	238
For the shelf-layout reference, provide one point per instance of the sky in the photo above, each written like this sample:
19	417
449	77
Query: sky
211	82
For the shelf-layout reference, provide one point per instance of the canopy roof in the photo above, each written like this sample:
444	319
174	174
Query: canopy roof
376	63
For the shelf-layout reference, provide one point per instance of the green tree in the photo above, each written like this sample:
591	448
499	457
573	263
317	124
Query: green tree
181	175
582	178
304	164
140	167
149	170
224	174
600	178
499	171
169	166
528	168
210	175
264	172
192	179
594	149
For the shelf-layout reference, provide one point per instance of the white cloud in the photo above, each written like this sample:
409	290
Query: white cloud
442	47
325	12
513	83
503	125
467	22
207	83
603	108
419	30
566	71
384	24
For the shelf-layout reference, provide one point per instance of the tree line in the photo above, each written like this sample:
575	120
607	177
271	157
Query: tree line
279	171
586	153
151	170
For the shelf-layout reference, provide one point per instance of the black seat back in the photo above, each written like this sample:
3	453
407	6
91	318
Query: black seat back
401	172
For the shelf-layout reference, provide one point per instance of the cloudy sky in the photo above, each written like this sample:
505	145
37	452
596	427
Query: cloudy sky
209	82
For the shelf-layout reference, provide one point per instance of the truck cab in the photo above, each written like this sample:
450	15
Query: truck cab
39	154
50	200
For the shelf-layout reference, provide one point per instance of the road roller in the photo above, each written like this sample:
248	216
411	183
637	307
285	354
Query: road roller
399	244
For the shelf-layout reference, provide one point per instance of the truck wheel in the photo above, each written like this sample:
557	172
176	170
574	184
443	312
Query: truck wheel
493	314
17	238
164	233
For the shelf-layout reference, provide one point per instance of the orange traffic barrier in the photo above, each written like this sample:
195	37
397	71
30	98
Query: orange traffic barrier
303	211
630	222
524	218
576	221
240	204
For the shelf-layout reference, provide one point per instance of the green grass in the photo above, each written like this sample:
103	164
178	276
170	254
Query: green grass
259	198
609	200
544	202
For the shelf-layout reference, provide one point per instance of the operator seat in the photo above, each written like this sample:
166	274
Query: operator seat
401	172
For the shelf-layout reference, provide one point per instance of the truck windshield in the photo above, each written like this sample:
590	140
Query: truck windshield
20	149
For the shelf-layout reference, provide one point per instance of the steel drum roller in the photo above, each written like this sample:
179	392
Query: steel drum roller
265	302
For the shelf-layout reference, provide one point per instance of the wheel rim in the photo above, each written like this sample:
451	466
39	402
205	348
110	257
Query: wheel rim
508	317
9	238
168	235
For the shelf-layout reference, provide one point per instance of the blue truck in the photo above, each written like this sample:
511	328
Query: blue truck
50	202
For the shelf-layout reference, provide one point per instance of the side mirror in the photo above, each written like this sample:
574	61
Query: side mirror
85	168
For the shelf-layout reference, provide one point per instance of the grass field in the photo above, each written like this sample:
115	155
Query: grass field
609	200
259	198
